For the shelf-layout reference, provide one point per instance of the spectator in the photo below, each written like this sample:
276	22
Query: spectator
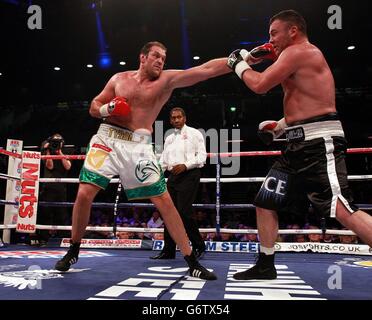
154	222
52	192
313	237
352	239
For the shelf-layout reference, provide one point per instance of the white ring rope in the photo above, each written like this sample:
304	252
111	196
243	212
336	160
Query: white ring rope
8	177
202	230
204	180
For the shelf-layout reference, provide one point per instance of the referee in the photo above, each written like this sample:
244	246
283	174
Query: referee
184	155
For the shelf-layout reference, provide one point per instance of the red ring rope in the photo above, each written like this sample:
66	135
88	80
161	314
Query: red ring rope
211	155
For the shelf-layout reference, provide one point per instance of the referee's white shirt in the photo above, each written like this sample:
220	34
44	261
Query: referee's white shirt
185	146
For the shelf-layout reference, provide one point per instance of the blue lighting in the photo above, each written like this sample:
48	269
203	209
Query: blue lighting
259	42
104	60
16	2
104	57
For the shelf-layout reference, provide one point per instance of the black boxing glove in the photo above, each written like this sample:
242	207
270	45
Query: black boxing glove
237	61
270	129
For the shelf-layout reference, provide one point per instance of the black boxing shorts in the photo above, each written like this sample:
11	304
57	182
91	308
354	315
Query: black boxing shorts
312	168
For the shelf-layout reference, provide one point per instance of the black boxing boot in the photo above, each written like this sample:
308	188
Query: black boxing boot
71	257
197	270
263	270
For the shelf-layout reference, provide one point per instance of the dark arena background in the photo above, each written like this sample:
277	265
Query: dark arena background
50	70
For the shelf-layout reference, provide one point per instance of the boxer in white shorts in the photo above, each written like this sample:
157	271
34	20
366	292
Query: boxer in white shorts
119	151
133	100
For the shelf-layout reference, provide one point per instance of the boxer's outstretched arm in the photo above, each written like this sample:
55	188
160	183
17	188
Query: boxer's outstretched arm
189	77
283	68
107	94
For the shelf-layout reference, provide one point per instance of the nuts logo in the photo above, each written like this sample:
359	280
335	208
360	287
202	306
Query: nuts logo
28	194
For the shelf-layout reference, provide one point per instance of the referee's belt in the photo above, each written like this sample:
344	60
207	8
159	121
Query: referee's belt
123	134
314	130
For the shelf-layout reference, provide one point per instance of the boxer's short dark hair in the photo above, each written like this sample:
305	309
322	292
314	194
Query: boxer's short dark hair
147	47
293	18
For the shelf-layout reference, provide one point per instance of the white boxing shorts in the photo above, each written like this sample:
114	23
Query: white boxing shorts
118	151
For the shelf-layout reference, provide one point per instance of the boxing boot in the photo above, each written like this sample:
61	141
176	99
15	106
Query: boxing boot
71	257
264	269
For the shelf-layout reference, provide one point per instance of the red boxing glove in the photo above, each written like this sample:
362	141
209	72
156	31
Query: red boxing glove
270	129
264	52
116	107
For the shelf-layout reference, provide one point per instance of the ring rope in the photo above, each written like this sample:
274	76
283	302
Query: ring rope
10	154
211	155
8	177
363	206
203	180
202	230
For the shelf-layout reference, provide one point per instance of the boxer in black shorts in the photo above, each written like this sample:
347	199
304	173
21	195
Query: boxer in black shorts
313	163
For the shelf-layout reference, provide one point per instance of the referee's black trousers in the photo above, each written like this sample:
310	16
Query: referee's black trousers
183	189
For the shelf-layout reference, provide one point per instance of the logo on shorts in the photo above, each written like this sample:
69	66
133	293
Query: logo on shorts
145	168
96	158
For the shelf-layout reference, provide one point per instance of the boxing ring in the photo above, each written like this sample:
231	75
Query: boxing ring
120	269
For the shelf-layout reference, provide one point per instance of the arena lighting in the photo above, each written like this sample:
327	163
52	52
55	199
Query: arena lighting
196	57
350	47
57	68
104	57
122	63
89	66
232	109
257	42
104	60
1	74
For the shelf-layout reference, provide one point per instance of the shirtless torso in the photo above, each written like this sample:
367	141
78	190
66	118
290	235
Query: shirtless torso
148	88
301	70
310	90
146	99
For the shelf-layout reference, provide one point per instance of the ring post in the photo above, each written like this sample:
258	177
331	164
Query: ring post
218	194
118	192
13	187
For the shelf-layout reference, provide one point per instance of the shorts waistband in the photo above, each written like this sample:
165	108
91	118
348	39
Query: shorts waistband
122	134
314	130
323	117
